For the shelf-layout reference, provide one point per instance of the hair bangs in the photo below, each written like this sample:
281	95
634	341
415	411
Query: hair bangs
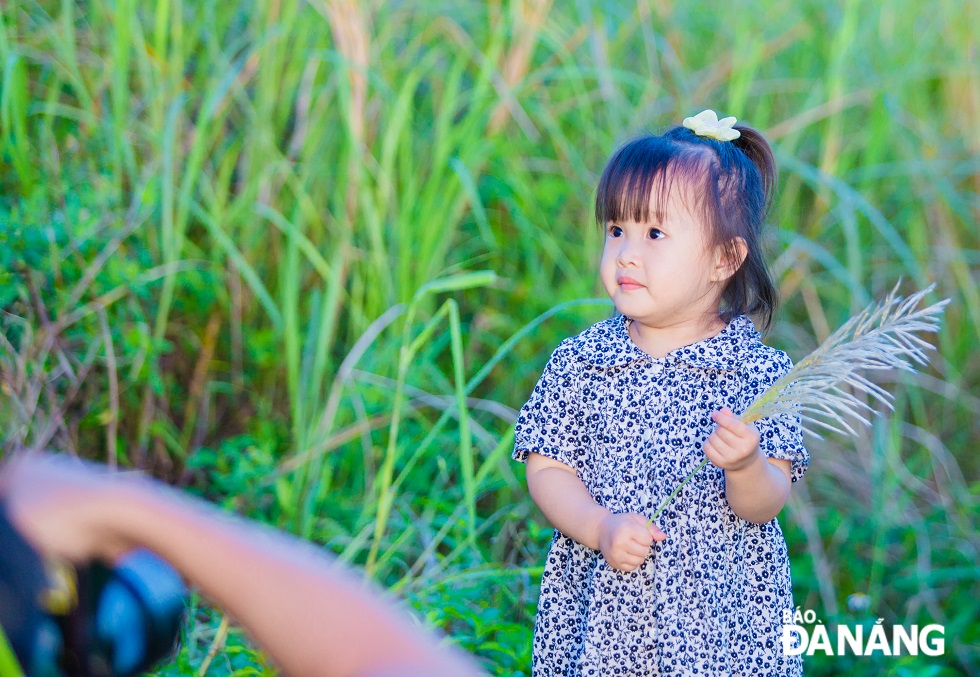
640	177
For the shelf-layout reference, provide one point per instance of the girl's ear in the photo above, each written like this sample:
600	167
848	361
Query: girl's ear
728	259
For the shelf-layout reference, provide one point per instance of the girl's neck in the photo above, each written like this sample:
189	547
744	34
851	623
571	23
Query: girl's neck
659	341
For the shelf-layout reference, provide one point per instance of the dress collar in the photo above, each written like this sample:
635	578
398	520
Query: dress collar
608	344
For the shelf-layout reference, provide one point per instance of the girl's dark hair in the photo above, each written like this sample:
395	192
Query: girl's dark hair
733	185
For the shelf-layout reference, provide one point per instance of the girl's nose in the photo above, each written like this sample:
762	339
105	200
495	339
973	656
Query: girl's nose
626	255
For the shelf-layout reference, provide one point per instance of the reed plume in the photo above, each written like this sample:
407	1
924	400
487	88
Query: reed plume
823	388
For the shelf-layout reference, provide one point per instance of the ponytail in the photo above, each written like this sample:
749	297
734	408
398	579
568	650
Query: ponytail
757	149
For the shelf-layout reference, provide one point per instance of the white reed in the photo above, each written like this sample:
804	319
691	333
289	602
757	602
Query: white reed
824	389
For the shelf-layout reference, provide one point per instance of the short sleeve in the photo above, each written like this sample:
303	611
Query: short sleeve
779	436
550	422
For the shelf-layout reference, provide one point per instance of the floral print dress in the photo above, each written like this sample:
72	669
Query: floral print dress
709	599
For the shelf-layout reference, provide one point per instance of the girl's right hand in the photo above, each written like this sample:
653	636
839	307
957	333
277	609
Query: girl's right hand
625	540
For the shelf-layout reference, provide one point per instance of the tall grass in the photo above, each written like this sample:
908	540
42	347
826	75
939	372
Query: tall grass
242	244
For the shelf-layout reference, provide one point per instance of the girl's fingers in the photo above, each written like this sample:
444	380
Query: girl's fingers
630	563
717	447
656	533
723	416
726	436
633	549
640	532
708	450
712	452
641	549
728	422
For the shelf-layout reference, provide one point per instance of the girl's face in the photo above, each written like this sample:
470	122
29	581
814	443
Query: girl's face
663	273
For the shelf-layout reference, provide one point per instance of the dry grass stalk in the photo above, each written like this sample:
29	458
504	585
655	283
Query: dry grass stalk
349	27
518	60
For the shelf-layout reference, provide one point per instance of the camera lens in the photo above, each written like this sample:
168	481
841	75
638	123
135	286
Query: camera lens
48	646
121	623
139	612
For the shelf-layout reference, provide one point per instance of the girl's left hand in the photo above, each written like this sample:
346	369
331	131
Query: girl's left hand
733	445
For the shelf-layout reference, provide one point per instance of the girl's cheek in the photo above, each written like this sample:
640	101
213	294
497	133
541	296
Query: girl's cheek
607	259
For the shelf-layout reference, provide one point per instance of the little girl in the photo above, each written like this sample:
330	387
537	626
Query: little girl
626	409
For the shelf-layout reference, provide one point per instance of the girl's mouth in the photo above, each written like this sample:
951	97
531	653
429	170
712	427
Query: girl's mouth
628	283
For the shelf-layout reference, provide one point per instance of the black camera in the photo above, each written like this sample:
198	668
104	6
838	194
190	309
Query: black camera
91	621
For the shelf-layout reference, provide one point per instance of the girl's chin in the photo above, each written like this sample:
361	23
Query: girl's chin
621	308
632	310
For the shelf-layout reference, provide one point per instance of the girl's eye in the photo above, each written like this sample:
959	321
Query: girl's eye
615	231
656	233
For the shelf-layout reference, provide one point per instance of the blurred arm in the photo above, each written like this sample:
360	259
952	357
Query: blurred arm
312	616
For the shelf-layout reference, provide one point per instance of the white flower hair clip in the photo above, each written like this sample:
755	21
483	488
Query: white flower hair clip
706	123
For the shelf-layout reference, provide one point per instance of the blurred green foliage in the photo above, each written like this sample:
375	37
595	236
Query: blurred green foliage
213	217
